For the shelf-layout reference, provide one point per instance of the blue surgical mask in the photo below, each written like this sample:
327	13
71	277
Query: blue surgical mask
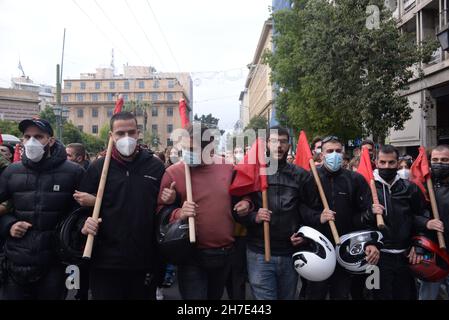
193	159
333	161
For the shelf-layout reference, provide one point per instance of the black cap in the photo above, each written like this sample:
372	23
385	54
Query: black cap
42	124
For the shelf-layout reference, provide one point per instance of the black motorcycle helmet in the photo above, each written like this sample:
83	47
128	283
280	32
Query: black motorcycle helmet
71	240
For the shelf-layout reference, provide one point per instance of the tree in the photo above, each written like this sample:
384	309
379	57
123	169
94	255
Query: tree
71	134
49	115
104	133
210	121
335	75
256	123
10	127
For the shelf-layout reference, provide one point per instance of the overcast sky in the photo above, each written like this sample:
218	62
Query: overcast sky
212	39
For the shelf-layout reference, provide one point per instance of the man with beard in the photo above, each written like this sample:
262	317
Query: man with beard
124	257
41	187
404	213
439	161
291	194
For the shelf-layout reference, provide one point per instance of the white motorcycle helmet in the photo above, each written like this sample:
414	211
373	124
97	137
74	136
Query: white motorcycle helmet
351	252
315	260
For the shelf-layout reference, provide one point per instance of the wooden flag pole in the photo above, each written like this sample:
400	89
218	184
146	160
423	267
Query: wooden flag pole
192	236
266	228
379	218
436	215
324	201
99	198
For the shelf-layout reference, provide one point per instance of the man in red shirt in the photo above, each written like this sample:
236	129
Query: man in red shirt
204	276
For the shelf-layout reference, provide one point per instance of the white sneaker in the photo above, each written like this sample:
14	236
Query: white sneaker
159	294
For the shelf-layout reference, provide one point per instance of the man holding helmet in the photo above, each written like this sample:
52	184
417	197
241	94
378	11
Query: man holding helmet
403	210
348	196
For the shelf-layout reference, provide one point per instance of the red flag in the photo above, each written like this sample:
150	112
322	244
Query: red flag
1	138
119	104
419	172
365	168
250	173
17	155
303	154
183	113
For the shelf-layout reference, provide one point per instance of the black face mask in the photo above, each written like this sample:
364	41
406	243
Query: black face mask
440	171
388	174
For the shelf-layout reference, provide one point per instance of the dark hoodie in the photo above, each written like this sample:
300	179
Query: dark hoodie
42	194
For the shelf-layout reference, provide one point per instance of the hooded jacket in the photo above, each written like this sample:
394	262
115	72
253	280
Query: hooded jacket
42	194
404	214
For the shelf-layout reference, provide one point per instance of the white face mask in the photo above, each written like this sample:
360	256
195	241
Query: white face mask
238	157
193	159
404	174
34	150
126	146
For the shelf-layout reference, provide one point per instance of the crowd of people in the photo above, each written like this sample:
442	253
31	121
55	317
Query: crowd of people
38	193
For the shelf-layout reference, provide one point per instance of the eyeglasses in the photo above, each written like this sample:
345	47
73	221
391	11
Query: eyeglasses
330	138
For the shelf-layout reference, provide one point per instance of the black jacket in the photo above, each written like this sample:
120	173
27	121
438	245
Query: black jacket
348	195
126	238
42	194
442	198
404	214
291	194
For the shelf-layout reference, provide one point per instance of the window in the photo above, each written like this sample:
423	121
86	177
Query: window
94	112
141	84
68	85
125	97
171	84
65	98
154	111
154	96
80	128
126	85
170	96
97	85
95	97
169	142
80	113
82	85
170	112
139	112
94	129
154	128
140	127
110	97
111	85
109	112
169	128
80	97
156	84
140	96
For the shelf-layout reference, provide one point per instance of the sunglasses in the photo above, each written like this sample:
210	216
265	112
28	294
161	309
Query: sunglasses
330	138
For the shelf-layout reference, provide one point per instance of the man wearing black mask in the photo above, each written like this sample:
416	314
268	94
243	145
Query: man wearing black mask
403	209
439	161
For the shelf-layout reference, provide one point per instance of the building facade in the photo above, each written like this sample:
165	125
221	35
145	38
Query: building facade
258	92
429	97
46	93
17	105
154	97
